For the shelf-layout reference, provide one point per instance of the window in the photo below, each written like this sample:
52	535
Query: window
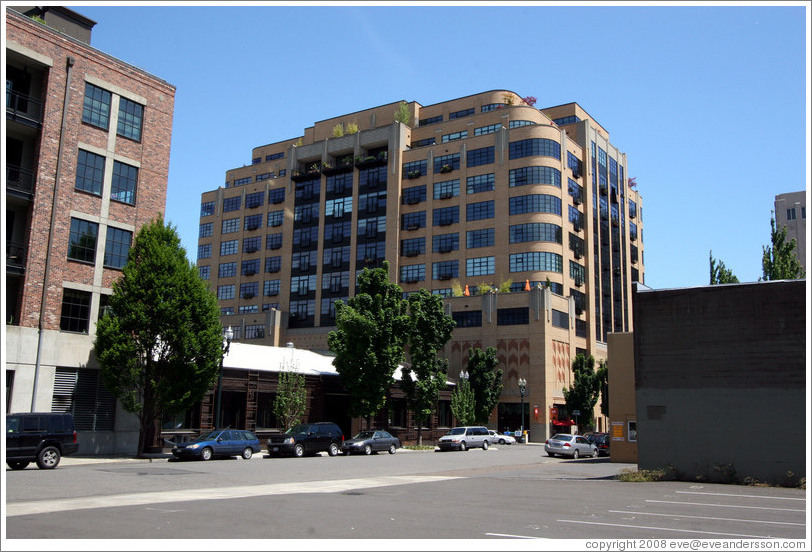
254	331
204	272
446	163
206	208
536	261
479	266
446	216
560	319
535	175
372	177
566	120
308	190
492	107
535	147
303	284
413	221
445	243
82	240
328	308
445	270
273	264
415	169
249	290
304	261
89	172
371	203
513	317
467	319
80	392
577	273
430	120
75	311
479	211
251	245
538	203
370	253
130	119
337	232
337	208
487	129
424	142
306	214
535	231
204	251
226	270
305	237
481	156
480	183
206	230
339	184
335	257
273	156
229	247
414	195
232	204
264	176
575	165
242	181
276	218
226	292
249	267
248	309
254	200
253	222
273	241
229	226
96	109
462	113
336	282
520	123
371	227
410	274
270	288
226	311
454	136
125	179
276	196
791	213
413	247
447	189
479	238
117	247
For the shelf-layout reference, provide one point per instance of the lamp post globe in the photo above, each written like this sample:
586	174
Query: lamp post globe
228	335
522	393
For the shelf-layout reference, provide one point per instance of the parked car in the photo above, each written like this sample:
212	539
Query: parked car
41	437
501	438
463	438
221	443
570	445
307	439
600	440
369	442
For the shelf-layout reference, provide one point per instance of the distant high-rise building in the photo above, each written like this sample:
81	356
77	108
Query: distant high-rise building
460	197
87	159
790	211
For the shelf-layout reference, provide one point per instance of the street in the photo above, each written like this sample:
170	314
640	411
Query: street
506	492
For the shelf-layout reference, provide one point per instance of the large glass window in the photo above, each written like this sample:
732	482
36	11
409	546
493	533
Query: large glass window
82	240
455	136
229	226
445	270
75	315
535	231
467	319
479	266
254	199
446	216
273	264
413	221
273	241
276	218
276	196
249	290
227	270
206	208
89	172
410	274
446	163
535	147
230	247
251	245
415	169
513	317
249	267
445	243
486	129
271	288
537	203
479	238
204	251
480	210
447	189
481	156
413	247
226	292
232	204
480	183
414	195
117	247
253	222
125	180
130	119
206	230
535	175
96	108
536	261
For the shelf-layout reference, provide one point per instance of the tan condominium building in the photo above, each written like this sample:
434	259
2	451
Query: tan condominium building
86	157
482	199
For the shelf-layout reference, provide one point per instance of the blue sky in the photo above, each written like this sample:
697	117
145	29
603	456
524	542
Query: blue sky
710	103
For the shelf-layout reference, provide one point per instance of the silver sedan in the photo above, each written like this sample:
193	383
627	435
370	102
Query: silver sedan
566	444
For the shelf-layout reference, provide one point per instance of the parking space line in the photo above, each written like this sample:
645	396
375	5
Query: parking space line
664	529
726	506
705	517
510	536
742	496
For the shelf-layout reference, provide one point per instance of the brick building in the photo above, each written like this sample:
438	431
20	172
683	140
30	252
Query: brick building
87	159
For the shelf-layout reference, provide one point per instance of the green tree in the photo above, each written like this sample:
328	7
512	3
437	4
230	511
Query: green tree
402	113
603	384
779	261
485	380
159	343
583	393
430	329
291	396
462	403
371	329
719	274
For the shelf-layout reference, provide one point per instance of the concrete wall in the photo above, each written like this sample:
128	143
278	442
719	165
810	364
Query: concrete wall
720	378
622	403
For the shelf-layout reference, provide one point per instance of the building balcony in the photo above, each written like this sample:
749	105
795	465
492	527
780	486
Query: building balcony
23	108
20	180
15	257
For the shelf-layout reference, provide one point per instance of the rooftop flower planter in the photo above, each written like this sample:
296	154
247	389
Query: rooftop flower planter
368	161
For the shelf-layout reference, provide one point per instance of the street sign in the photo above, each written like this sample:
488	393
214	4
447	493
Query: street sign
576	412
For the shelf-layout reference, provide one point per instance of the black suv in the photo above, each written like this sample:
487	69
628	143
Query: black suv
307	439
41	437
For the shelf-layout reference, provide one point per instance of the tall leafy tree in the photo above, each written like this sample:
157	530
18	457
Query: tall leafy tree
429	331
160	342
583	393
291	396
779	261
719	273
603	384
486	382
462	403
369	340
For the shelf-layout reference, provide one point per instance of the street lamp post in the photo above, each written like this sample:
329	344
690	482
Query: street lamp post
522	392
228	335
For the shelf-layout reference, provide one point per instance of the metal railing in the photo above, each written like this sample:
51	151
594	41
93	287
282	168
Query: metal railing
22	106
20	179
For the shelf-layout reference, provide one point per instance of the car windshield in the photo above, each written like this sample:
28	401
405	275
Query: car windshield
457	431
562	437
601	439
365	435
301	428
211	436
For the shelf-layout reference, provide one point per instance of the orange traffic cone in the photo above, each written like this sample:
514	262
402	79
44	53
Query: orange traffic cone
466	292
527	285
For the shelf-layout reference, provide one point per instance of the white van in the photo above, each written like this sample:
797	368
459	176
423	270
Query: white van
465	437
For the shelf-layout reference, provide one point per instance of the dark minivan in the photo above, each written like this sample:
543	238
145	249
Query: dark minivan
41	437
307	439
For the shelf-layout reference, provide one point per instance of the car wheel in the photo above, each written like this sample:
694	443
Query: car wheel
48	458
551	454
575	454
463	446
484	445
392	449
333	450
367	450
21	465
501	441
206	453
247	453
298	451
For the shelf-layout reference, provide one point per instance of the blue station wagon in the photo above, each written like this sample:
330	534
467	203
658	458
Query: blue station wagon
220	442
